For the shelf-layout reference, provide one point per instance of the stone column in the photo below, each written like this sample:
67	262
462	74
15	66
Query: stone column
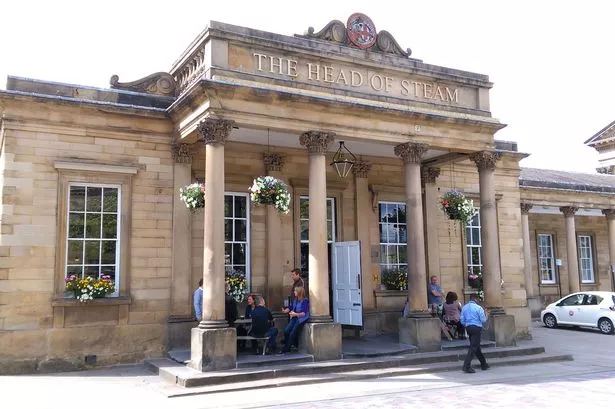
213	344
492	276
610	218
181	317
429	176
419	329
574	283
275	261
321	336
363	210
532	301
502	330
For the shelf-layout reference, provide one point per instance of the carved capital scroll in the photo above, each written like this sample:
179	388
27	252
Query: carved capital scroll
525	208
182	153
273	162
568	210
214	131
160	83
411	152
609	213
361	168
316	142
430	174
485	160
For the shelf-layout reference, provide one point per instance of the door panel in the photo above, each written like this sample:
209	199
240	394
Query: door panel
346	283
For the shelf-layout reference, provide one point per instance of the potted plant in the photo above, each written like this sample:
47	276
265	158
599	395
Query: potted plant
395	280
457	207
238	284
88	288
267	190
193	195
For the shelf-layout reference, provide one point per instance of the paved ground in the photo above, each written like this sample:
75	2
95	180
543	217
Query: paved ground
589	379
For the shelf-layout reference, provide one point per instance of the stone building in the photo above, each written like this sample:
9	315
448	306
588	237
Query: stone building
90	183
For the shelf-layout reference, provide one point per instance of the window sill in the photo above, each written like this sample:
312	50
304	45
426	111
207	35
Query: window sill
72	302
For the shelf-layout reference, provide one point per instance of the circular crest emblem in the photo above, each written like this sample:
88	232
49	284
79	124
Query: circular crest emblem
361	30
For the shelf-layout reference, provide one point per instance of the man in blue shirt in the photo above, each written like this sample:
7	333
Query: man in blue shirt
472	318
197	299
434	293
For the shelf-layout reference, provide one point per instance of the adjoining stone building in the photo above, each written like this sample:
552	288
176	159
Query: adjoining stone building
241	103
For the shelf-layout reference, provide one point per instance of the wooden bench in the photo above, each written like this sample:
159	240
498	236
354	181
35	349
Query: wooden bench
264	340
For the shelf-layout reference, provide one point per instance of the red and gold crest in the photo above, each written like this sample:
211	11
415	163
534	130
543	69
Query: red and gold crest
361	30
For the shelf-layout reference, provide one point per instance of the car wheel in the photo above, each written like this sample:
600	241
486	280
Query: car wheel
605	326
550	321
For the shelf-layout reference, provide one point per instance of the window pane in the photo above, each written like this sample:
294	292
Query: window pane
92	271
75	252
330	231
94	198
401	213
383	255
382	211
110	200
475	255
92	226
228	229
240	206
77	198
305	256
329	209
402	251
108	271
239	253
74	270
92	252
305	230
109	225
75	225
476	236
228	206
304	208
108	252
240	230
392	255
228	250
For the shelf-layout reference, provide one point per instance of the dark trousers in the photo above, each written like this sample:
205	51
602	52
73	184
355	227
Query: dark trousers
291	334
474	334
272	333
461	331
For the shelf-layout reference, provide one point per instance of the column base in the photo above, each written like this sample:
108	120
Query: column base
502	329
423	333
213	349
322	340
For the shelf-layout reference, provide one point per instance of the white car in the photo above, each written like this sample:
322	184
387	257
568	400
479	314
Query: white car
584	309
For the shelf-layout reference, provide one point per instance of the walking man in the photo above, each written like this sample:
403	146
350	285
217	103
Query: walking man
472	318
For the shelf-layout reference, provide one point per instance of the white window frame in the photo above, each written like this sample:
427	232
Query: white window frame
470	266
330	200
247	242
586	253
550	271
118	272
398	265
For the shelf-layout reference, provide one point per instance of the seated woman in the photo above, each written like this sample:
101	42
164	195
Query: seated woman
452	310
298	313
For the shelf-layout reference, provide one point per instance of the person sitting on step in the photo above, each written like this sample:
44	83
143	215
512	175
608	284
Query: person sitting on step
298	313
452	310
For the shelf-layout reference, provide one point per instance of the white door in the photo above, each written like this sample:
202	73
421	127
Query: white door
346	283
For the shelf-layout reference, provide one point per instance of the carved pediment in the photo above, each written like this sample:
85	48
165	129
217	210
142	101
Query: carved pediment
359	32
160	83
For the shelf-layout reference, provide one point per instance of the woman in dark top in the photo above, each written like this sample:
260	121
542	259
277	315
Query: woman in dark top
452	309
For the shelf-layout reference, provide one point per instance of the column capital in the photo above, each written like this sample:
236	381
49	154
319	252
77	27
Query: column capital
429	174
411	152
609	213
526	207
273	161
182	153
568	210
361	168
316	142
485	159
214	131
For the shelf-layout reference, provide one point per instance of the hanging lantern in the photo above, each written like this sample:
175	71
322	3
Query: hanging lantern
343	161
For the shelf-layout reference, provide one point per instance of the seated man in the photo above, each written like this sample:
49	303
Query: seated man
262	324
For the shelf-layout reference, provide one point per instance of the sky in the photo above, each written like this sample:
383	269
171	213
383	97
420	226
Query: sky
551	62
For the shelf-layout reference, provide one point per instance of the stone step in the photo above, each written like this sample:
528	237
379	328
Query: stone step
187	377
464	344
175	390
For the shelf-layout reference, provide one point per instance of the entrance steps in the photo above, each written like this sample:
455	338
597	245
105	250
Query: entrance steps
182	380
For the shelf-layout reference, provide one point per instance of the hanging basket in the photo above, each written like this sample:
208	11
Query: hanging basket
456	206
193	195
267	190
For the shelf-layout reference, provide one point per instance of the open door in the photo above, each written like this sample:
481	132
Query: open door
346	283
